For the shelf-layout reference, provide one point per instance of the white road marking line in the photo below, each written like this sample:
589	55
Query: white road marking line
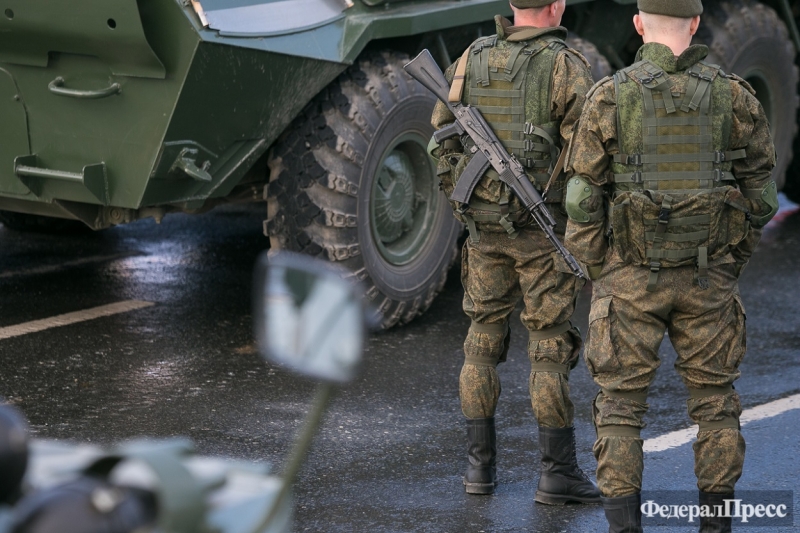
61	266
72	318
684	436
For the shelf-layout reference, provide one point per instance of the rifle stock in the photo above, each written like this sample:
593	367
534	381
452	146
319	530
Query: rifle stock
424	69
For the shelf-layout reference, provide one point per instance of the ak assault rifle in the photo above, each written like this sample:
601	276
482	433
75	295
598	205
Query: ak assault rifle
488	151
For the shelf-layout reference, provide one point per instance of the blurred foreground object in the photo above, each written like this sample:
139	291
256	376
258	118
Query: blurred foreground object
308	319
311	320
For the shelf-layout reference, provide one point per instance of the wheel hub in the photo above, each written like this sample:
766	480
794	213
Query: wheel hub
402	202
394	197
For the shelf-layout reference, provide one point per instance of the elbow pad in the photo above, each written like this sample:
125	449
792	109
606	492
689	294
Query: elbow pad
768	196
584	201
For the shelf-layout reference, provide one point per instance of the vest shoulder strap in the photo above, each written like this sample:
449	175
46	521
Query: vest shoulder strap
480	60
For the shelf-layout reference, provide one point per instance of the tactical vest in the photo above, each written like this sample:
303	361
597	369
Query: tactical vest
675	199
510	84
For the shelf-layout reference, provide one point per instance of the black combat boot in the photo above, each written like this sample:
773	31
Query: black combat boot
481	476
624	514
562	480
717	524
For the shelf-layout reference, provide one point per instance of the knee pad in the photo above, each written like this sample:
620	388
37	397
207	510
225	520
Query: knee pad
715	407
487	344
619	414
562	343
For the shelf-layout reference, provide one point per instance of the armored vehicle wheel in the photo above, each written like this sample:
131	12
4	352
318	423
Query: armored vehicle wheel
41	224
600	65
351	181
748	39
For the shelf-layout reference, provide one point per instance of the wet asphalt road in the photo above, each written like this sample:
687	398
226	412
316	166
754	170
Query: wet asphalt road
390	453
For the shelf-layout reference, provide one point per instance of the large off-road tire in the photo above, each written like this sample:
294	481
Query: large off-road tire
351	181
41	224
748	38
600	65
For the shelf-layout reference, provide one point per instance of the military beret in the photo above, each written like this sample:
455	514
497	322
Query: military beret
526	4
672	8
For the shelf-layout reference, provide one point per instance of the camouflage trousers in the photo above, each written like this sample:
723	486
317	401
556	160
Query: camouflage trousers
707	329
496	273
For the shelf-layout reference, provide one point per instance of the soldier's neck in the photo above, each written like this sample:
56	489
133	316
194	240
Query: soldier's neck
677	44
537	20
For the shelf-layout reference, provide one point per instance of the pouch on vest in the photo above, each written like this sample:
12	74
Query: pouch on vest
700	227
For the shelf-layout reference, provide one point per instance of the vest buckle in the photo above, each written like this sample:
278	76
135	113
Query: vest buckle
637	177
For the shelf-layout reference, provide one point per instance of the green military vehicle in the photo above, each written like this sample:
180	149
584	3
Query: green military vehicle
117	110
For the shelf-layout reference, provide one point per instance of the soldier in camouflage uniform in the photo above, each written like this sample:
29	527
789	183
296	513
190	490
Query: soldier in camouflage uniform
530	88
669	187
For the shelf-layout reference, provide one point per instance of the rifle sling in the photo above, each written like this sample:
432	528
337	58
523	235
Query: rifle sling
457	87
562	159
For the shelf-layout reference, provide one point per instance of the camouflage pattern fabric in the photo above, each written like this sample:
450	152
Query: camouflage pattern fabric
599	140
556	103
627	326
496	273
627	322
499	270
571	81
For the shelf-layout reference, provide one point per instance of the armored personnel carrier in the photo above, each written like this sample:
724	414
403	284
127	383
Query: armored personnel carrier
116	110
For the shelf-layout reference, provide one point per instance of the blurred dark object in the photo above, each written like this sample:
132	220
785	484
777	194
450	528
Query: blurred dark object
86	505
13	452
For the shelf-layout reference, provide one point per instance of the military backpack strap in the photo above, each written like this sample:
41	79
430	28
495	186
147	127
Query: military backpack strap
658	240
699	82
457	87
480	63
654	78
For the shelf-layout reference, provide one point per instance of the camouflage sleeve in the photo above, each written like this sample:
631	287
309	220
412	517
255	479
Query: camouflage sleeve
441	114
572	79
750	130
595	136
593	141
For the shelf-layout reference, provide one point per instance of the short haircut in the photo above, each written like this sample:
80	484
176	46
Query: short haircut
663	24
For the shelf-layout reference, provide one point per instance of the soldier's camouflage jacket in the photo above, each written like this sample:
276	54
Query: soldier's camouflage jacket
739	126
556	83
